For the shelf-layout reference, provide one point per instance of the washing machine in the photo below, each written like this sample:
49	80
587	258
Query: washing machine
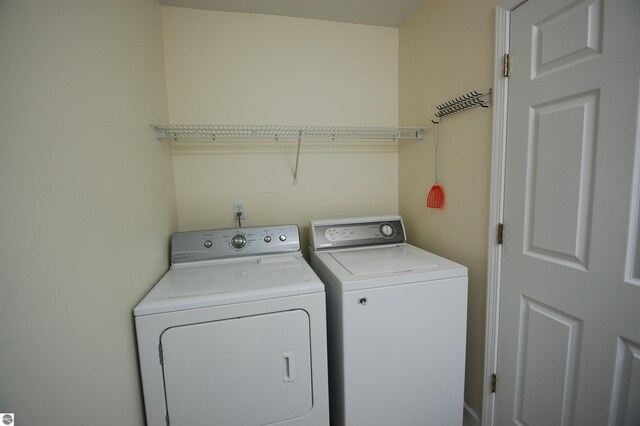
235	332
396	325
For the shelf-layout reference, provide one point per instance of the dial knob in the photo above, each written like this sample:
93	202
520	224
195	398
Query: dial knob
238	241
387	230
282	237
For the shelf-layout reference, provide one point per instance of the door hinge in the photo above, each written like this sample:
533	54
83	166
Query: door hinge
500	233
494	380
160	354
506	65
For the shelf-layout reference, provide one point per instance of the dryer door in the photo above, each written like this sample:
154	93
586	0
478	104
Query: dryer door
252	370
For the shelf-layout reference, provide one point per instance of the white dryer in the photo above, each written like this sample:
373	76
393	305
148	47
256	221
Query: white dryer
234	333
396	325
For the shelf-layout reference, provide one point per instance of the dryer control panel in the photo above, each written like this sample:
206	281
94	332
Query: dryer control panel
234	242
356	232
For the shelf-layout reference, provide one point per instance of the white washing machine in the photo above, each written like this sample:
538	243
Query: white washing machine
235	333
396	325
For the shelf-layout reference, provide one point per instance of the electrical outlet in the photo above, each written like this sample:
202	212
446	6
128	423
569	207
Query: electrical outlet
238	208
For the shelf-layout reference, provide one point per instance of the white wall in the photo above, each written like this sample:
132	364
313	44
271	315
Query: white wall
87	204
446	50
231	68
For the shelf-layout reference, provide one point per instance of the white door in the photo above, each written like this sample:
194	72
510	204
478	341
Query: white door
569	325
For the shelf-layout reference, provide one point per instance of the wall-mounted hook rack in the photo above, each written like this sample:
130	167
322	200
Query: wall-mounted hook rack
468	100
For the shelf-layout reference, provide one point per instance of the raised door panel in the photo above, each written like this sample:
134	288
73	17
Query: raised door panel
548	348
569	35
625	399
562	140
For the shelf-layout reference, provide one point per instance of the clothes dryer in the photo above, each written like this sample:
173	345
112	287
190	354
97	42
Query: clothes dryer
396	324
234	333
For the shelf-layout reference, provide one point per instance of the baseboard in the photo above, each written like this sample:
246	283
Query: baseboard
470	417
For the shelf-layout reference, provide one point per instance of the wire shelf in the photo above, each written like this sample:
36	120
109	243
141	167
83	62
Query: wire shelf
235	132
241	132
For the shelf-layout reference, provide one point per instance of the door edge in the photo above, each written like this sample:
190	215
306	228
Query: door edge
496	203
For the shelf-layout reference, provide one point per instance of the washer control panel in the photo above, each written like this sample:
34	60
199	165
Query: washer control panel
233	242
356	232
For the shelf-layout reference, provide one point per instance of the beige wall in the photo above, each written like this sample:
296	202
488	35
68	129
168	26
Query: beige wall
240	68
87	205
446	49
231	68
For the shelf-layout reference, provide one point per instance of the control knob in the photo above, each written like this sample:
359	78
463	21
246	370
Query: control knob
387	230
238	241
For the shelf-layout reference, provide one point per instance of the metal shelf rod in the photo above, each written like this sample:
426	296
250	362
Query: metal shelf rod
295	173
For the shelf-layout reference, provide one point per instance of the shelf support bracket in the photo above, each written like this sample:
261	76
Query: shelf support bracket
160	133
295	172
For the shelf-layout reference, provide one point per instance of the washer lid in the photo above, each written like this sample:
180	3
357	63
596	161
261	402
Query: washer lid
384	260
225	282
379	266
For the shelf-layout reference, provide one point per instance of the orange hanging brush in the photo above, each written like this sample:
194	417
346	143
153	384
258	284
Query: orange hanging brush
435	198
